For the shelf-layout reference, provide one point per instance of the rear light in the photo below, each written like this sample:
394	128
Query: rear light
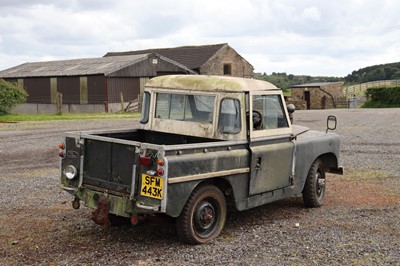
160	162
145	161
61	154
160	172
61	146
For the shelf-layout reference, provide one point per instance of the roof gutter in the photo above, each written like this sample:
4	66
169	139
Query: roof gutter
333	98
188	70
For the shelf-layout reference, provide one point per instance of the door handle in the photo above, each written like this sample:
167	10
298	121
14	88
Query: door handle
258	163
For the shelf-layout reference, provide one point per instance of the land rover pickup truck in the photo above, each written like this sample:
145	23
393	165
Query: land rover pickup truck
204	143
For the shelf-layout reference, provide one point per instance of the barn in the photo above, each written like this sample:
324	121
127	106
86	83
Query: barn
88	85
109	83
214	59
322	95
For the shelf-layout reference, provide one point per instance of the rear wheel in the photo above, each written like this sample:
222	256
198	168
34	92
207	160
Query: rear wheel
314	189
203	216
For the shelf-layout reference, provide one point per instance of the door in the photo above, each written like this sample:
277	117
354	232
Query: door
271	145
307	99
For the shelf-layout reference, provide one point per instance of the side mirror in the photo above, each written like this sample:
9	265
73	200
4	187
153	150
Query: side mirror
331	123
291	108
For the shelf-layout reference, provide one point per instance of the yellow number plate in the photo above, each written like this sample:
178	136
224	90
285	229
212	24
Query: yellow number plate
152	186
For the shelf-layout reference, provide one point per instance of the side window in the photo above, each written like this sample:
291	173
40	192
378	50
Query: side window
162	105
229	117
268	112
144	117
183	107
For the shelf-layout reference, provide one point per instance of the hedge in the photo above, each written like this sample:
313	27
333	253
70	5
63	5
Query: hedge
385	95
10	96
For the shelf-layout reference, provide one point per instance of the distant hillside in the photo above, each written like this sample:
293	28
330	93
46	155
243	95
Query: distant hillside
374	73
284	81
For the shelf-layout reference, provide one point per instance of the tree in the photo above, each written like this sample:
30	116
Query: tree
10	96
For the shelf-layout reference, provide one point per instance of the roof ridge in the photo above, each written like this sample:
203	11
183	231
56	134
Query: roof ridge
163	49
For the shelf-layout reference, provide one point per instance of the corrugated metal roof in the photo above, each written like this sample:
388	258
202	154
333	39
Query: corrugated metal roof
191	56
74	67
314	85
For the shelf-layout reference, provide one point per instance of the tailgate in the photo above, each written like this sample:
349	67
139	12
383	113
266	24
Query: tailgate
109	165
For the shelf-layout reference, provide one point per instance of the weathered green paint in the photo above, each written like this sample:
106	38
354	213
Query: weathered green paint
271	167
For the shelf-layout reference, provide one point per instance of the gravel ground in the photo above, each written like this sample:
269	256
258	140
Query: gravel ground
358	225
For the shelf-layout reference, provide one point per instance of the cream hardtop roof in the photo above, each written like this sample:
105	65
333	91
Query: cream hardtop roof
209	83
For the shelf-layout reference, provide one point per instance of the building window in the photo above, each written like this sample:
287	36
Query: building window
228	69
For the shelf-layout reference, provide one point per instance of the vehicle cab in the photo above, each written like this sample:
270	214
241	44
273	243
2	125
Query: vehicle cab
216	107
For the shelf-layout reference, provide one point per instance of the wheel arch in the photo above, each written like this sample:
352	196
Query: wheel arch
329	162
186	189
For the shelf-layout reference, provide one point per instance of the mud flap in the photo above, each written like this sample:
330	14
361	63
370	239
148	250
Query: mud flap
100	214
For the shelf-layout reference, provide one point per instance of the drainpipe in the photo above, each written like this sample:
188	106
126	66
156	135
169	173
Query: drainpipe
333	99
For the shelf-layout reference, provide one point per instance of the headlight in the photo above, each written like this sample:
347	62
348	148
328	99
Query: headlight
70	172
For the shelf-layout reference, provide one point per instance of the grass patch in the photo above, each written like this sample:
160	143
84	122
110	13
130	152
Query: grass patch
54	117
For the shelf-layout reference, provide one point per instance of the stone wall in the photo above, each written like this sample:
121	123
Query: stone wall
226	55
320	97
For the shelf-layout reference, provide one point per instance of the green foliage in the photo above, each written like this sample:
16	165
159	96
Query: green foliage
373	73
10	96
383	97
284	81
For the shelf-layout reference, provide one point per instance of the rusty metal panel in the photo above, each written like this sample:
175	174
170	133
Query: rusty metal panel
129	87
96	89
70	89
38	90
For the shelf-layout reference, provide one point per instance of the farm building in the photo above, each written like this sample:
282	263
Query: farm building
323	95
88	85
216	59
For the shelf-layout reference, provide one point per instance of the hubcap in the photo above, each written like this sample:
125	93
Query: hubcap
320	184
204	219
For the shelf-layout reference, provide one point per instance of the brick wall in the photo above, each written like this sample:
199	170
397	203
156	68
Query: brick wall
226	55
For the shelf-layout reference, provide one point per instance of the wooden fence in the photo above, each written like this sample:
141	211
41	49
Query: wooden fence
359	89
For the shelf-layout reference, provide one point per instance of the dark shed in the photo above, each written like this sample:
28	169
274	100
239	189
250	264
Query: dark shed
103	81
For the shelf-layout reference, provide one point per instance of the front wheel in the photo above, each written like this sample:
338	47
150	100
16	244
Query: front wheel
203	216
314	188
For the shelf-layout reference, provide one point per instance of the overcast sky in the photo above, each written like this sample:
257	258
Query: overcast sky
327	38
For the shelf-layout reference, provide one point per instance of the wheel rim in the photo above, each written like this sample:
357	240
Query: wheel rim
320	184
205	218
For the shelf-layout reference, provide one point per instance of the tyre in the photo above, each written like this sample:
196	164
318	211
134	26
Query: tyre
314	188
203	215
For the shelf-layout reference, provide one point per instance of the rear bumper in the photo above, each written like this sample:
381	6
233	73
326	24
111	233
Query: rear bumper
117	204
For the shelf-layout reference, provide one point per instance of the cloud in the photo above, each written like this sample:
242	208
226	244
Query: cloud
299	37
311	13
